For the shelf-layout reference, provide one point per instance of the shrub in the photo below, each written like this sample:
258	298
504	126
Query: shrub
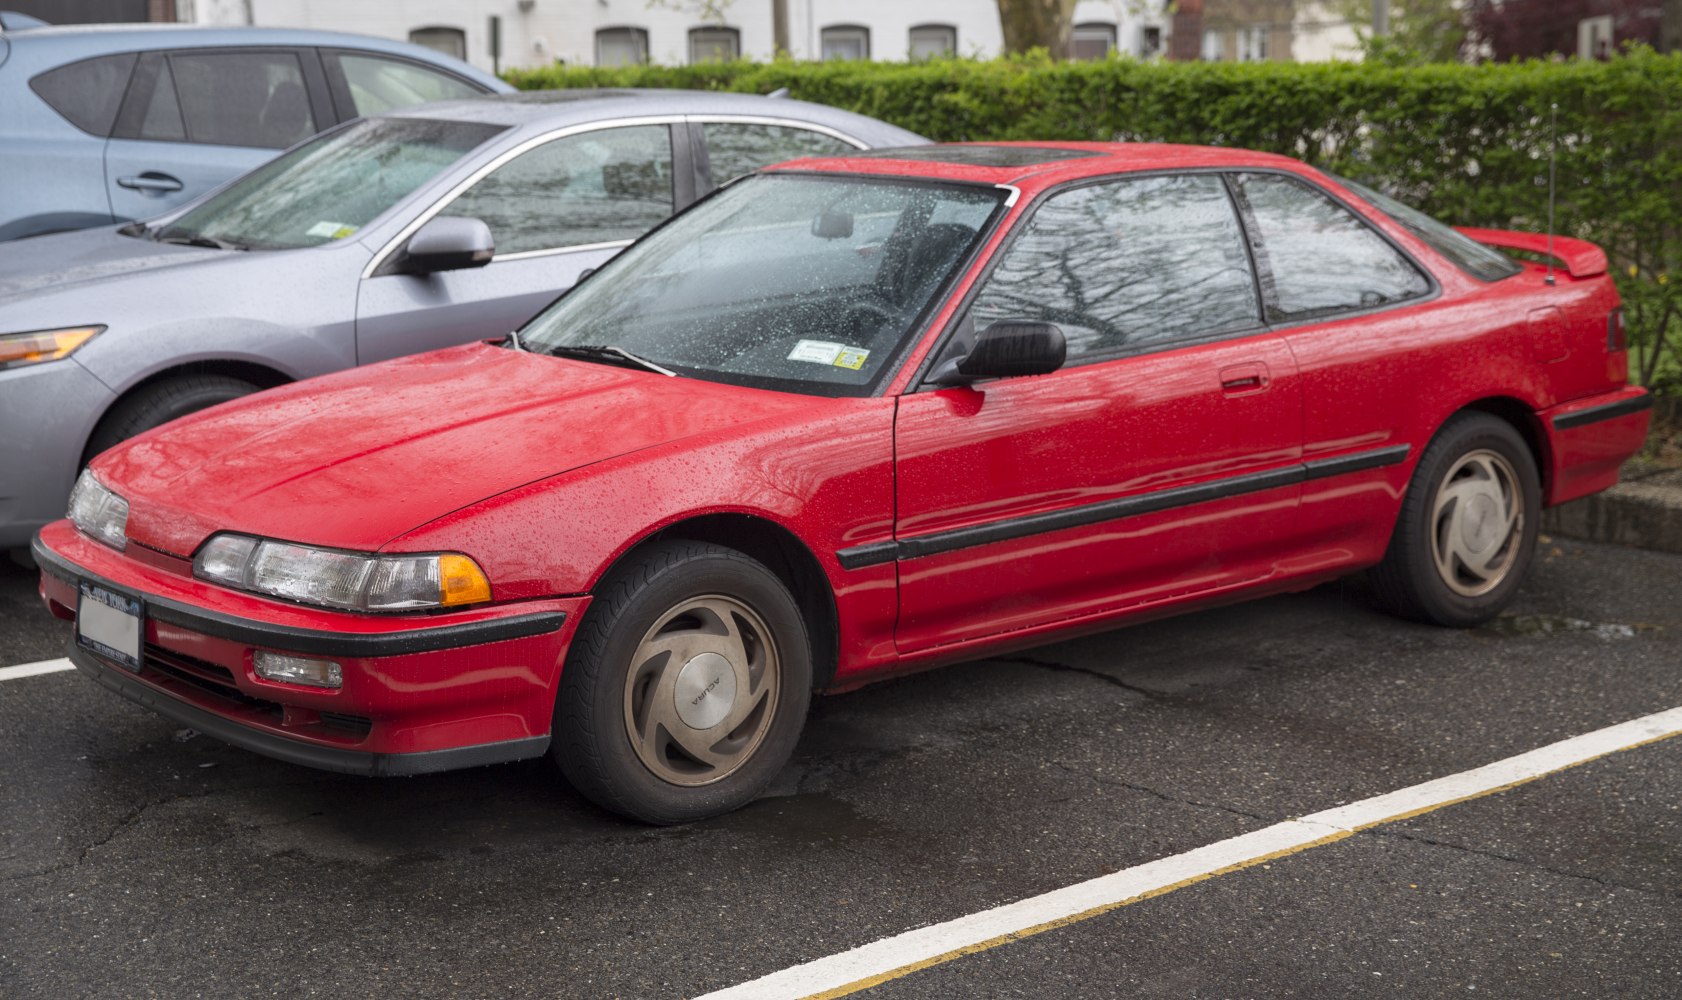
1469	144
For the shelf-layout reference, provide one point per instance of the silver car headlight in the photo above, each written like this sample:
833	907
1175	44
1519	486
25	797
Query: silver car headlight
355	581
98	512
20	349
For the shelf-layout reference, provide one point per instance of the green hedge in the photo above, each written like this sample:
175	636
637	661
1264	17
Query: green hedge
1466	143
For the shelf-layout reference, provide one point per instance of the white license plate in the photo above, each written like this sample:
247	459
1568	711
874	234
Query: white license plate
110	624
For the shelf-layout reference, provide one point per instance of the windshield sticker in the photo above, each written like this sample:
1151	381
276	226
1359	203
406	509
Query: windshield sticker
823	352
331	230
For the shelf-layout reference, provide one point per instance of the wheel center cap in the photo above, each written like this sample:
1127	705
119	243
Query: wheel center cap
1478	529
705	690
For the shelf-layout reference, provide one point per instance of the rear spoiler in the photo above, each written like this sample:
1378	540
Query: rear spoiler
1581	258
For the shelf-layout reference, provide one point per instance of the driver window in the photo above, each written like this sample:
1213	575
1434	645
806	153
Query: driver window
595	187
1128	265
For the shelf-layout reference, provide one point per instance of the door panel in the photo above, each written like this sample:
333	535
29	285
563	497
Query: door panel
1106	473
399	314
143	176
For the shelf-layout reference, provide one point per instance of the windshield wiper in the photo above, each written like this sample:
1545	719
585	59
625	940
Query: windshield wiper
187	239
612	355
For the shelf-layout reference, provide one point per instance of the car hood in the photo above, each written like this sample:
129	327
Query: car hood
355	459
67	263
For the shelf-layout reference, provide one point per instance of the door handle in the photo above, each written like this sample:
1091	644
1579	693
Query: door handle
151	182
1241	380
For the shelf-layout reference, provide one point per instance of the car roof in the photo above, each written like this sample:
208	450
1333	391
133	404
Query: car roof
1040	163
560	107
58	44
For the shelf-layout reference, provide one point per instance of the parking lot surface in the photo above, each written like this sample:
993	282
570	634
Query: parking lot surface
141	859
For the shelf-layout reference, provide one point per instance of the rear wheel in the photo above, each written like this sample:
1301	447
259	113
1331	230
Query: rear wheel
1467	527
686	687
160	403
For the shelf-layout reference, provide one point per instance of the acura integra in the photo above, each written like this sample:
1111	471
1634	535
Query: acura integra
843	418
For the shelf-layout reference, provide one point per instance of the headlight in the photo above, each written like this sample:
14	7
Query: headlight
336	579
20	349
98	512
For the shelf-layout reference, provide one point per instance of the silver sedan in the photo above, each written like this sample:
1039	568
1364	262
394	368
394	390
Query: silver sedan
386	236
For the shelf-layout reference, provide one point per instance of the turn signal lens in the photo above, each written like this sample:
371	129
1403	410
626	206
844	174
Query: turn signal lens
461	581
98	512
20	349
1617	335
298	670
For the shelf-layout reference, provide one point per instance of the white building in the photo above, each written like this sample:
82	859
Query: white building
673	32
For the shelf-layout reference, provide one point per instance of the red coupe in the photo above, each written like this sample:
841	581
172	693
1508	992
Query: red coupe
844	418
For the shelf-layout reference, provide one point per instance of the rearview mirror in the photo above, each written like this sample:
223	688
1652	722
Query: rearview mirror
832	225
448	243
1009	347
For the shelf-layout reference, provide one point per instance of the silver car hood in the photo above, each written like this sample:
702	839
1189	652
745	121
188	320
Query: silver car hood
68	262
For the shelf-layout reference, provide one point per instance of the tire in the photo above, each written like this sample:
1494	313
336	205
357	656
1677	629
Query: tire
686	687
160	403
1467	529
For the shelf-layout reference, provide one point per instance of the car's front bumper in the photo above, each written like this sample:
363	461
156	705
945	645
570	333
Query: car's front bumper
420	693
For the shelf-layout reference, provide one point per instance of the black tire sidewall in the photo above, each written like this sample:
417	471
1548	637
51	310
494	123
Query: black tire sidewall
1432	597
605	765
161	403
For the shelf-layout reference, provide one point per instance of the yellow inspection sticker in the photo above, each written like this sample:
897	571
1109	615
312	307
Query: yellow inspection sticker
823	352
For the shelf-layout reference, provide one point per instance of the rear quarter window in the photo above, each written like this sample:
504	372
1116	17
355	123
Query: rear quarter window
87	93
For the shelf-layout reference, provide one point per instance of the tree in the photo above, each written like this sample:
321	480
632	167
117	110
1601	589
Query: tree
1043	24
1421	31
1527	29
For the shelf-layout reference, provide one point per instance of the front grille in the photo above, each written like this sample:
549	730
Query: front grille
218	682
205	676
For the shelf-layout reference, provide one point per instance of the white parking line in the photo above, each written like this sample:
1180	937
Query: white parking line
872	964
34	669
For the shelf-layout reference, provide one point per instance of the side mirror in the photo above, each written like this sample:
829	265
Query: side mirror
832	225
448	243
1007	348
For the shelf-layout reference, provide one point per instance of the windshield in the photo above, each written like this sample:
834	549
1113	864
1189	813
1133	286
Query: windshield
804	282
329	188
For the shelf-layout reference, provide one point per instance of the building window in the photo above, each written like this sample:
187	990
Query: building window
846	41
1252	44
1150	41
450	41
930	41
621	47
1594	37
1094	40
1212	46
714	44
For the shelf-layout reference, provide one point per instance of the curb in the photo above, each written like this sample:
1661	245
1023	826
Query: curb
1645	511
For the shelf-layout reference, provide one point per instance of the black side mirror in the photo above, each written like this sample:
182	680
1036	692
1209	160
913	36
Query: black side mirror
1005	349
832	225
448	243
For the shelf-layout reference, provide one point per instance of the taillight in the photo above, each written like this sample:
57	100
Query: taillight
1617	337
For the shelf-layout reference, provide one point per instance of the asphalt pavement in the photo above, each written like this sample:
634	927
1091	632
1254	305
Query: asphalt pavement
139	859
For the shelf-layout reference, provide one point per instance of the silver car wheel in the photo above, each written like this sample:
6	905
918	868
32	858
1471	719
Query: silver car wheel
702	690
1477	520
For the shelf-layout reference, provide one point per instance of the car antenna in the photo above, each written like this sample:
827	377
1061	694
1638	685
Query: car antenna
1553	158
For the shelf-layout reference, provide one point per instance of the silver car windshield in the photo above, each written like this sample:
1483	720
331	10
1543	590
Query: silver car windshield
328	188
805	282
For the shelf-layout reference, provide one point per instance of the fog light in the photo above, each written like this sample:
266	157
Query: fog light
298	670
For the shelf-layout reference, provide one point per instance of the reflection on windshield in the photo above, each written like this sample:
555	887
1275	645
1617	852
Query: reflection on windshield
790	281
330	188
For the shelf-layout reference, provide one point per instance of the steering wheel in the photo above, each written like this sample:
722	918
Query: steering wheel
883	313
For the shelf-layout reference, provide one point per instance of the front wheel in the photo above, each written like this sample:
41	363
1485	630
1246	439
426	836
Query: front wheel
1468	526
686	688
